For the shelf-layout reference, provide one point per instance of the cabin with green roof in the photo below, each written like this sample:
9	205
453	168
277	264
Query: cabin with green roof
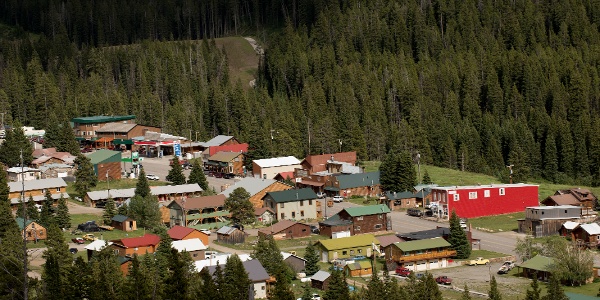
538	265
31	230
360	184
420	255
106	163
347	247
85	127
357	220
294	204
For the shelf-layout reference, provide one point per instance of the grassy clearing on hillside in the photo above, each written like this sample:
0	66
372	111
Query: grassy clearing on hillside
506	222
242	59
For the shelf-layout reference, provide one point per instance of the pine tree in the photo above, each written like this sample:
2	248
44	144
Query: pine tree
306	292
109	211
338	288
63	218
137	287
427	288
142	188
11	248
85	178
145	211
208	288
312	259
47	215
554	290
32	211
269	255
123	209
23	209
466	295
494	294
426	178
550	158
235	278
108	278
398	172
197	176
52	136
79	280
69	143
239	205
534	292
15	142
58	262
177	282
175	175
458	238
375	288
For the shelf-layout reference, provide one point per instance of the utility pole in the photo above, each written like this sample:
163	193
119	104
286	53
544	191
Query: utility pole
340	141
419	166
25	270
511	172
107	184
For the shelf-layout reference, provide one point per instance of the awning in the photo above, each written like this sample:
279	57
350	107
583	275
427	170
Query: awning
105	140
80	138
122	142
313	183
332	188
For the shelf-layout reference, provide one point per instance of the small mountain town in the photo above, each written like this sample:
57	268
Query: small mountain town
299	150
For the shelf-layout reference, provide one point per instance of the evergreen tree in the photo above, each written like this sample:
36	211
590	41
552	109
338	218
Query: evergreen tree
175	175
58	263
145	211
15	142
398	172
426	178
52	136
136	286
269	255
466	295
375	288
208	288
306	292
458	238
142	188
109	211
123	209
68	142
235	279
47	213
22	209
197	175
108	278
79	280
494	294
427	288
534	292
312	260
338	288
85	178
550	158
177	282
63	218
239	205
11	248
32	211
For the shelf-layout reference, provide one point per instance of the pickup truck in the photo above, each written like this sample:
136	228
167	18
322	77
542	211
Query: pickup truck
506	266
404	272
479	261
443	280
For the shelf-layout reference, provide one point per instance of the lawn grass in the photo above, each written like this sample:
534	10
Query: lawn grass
77	219
485	254
505	222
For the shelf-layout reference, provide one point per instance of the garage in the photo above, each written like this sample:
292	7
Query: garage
434	264
421	265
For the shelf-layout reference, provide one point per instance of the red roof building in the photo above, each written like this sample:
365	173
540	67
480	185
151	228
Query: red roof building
136	245
179	233
228	148
283	176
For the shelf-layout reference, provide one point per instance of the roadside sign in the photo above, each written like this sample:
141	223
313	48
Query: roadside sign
177	149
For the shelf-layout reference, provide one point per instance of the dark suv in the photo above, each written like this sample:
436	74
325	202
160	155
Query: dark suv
415	212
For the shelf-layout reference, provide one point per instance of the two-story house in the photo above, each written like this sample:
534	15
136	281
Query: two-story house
226	162
200	213
36	189
360	184
347	247
300	204
121	134
85	127
420	255
268	168
357	220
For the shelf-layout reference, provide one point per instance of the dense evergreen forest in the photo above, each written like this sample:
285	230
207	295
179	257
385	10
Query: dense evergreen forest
474	85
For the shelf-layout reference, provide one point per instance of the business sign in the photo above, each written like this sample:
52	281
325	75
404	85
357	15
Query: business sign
177	149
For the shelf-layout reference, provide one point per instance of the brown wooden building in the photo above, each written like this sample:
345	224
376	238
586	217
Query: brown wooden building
360	219
320	280
85	127
208	210
420	255
319	163
543	221
178	233
257	188
117	133
226	162
359	268
33	230
361	184
587	235
286	229
107	164
37	189
123	223
136	245
230	235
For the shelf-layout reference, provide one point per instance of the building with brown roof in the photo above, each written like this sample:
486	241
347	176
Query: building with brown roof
264	215
118	133
564	199
327	162
136	245
200	213
178	233
226	162
286	229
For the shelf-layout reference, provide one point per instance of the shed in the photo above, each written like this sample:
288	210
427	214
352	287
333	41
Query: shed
538	265
297	263
567	228
106	162
264	215
320	280
359	268
587	234
231	235
286	229
124	223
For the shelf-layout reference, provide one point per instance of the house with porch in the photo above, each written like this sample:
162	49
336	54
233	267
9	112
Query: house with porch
226	162
257	188
37	189
361	184
586	235
347	247
361	219
32	231
300	204
420	255
538	265
331	162
206	212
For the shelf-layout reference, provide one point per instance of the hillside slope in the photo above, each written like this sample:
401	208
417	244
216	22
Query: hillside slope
242	59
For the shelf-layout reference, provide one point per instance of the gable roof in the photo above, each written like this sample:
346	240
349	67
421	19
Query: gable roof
426	234
37	184
227	230
367	210
570	225
538	263
178	232
212	150
361	264
386	240
358	180
43	152
217	140
262	210
97	245
277	161
335	220
320	276
285	175
120	218
349	242
116	127
250	184
256	271
21	224
280	226
200	202
101	155
422	244
287	255
564	199
318	163
188	245
224	156
145	240
292	195
591	229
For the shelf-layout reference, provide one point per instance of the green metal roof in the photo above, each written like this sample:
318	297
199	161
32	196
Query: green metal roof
104	156
101	119
358	180
361	264
122	142
538	263
360	240
293	195
398	196
367	210
422	244
573	296
20	223
120	218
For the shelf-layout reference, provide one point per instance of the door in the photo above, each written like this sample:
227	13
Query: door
335	255
369	250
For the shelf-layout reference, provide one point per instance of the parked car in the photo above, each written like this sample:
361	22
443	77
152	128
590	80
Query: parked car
314	229
404	272
78	240
321	195
228	175
89	237
415	212
479	261
463	223
506	266
338	199
89	226
152	177
443	280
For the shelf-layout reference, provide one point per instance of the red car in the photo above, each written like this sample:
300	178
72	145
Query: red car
78	240
218	175
443	280
404	272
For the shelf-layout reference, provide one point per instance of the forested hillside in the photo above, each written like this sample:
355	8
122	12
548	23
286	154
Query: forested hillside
473	85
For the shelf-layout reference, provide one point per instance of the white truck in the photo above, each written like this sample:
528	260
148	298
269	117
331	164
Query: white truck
506	266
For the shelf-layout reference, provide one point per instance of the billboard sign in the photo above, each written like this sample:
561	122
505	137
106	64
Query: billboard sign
177	149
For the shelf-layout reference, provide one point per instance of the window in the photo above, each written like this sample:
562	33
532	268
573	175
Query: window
282	216
456	197
344	252
501	191
195	255
486	193
262	287
359	218
293	214
407	253
309	202
434	196
302	203
381	216
351	252
378	226
58	189
472	195
302	213
357	228
304	230
264	176
359	251
281	205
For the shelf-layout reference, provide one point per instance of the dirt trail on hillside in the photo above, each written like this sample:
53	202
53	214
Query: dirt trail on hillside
259	50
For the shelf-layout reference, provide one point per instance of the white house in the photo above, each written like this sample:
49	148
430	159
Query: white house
268	168
256	273
25	173
295	204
